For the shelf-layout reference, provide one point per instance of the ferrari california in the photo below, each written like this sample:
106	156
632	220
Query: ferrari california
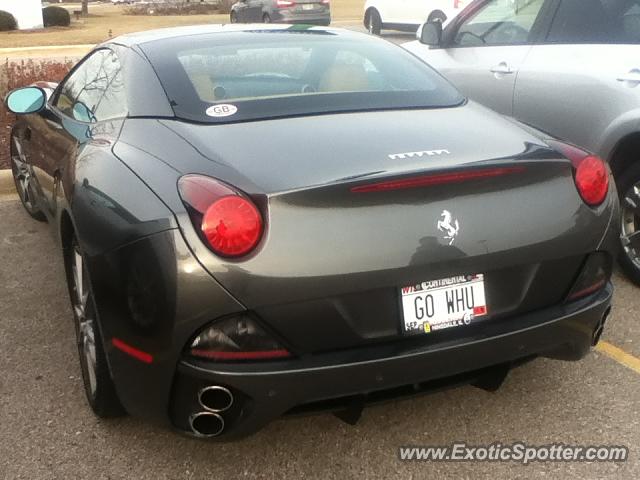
258	221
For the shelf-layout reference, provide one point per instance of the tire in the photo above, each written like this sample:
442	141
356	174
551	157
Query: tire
22	174
233	18
373	22
629	191
266	18
98	384
437	16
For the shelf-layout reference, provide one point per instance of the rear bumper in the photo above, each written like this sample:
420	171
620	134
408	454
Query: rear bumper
300	18
266	391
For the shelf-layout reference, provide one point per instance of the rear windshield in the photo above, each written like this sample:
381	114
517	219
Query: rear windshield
241	76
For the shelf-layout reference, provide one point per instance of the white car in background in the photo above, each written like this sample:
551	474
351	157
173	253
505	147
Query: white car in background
408	15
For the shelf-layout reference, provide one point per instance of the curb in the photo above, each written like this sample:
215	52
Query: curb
7	187
87	46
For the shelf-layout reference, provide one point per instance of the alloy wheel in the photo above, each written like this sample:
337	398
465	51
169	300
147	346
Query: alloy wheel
630	236
22	175
84	313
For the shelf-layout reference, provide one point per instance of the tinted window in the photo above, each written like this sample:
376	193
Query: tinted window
277	73
596	21
95	90
500	22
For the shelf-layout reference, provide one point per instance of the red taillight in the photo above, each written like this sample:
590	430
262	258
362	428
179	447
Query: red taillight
232	225
592	180
229	221
591	173
285	3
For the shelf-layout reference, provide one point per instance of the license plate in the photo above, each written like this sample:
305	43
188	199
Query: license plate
308	6
441	304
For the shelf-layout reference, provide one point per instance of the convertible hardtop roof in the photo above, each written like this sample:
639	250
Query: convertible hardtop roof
149	36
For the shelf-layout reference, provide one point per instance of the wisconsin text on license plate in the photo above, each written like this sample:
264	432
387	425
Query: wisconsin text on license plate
440	304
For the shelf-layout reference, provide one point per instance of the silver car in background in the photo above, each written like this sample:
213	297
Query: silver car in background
568	67
309	12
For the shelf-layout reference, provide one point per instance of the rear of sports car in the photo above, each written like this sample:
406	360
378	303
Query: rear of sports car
361	253
384	285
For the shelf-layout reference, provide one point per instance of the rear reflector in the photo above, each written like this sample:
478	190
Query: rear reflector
144	357
438	179
231	356
235	339
593	277
585	292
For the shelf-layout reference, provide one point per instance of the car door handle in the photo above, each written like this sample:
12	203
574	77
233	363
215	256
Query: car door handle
633	76
502	68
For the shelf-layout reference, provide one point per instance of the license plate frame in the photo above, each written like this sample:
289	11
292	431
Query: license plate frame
464	298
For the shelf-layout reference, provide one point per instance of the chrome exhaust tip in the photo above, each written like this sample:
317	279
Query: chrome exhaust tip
206	424
215	398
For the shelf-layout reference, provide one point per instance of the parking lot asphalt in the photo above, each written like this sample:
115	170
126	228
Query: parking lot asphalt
48	432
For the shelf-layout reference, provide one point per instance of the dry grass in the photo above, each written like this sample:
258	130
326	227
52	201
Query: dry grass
105	20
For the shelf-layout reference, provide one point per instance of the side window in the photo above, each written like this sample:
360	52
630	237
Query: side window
500	22
596	21
95	91
114	101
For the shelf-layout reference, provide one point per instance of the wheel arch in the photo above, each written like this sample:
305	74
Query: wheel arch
625	153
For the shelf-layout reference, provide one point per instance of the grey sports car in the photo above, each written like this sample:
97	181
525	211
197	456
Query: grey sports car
258	221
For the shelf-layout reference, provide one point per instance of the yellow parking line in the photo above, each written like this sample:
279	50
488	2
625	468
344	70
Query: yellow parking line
619	356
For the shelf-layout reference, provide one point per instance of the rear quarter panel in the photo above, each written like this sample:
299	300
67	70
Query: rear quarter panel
108	204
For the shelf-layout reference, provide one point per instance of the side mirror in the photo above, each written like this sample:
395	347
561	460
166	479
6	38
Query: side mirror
26	100
82	113
430	34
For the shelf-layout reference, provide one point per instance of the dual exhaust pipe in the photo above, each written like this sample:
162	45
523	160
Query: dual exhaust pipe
214	400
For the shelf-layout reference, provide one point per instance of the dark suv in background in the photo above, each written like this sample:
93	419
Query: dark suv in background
312	12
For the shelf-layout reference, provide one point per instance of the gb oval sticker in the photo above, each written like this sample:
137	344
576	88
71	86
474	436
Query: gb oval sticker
224	110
